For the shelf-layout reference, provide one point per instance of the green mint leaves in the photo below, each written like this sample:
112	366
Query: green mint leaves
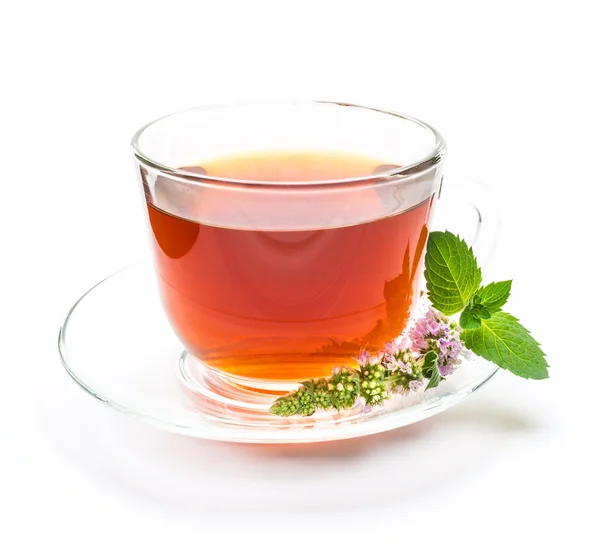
430	369
494	295
485	302
451	272
454	285
504	341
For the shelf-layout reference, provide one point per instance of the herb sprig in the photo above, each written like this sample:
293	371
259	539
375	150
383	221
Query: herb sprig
452	274
431	350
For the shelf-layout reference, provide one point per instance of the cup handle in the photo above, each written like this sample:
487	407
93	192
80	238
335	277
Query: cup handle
464	191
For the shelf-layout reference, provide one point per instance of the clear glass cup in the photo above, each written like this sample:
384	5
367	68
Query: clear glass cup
271	282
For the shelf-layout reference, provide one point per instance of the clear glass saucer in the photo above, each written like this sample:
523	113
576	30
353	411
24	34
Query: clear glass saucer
116	343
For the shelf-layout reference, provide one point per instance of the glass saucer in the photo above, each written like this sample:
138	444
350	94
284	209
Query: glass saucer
116	343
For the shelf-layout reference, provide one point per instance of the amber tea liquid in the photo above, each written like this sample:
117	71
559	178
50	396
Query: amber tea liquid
289	304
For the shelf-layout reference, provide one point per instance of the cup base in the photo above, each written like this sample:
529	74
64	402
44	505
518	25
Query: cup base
227	389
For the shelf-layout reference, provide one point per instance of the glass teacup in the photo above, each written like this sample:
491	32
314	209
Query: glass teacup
287	236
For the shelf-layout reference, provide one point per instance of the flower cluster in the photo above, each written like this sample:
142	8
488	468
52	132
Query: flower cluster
343	388
435	332
395	369
405	370
373	380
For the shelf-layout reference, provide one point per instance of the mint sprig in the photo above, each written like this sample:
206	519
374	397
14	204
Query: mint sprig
431	350
454	285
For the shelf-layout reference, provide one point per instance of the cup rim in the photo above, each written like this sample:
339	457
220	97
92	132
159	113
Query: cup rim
434	156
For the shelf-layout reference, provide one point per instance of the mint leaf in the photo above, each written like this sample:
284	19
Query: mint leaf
494	295
451	272
481	312
430	369
468	319
502	340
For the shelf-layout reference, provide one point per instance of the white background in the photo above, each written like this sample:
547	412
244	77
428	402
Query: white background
513	88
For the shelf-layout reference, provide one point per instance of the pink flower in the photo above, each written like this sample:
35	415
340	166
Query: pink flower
363	357
396	353
405	366
400	390
415	385
375	359
390	363
433	332
445	370
390	348
404	344
362	405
